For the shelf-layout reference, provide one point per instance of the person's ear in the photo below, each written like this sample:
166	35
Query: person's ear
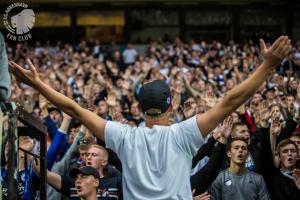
96	182
228	154
277	154
104	163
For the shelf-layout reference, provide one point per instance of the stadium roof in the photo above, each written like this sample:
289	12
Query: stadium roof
149	1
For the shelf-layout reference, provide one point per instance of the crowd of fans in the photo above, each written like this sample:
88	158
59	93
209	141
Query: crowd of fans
263	134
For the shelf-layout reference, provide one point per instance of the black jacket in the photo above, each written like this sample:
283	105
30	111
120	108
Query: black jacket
205	176
280	186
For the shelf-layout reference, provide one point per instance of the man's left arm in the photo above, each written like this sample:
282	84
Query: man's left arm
215	189
239	94
263	193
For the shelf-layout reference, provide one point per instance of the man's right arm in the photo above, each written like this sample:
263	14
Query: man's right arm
30	77
53	179
91	120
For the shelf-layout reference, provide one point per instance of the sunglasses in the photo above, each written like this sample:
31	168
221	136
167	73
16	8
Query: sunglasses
83	142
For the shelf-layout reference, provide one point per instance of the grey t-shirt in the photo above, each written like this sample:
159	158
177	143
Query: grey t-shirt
156	161
4	75
229	186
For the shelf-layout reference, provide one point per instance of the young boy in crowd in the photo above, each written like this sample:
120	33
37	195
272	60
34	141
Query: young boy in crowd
86	182
237	182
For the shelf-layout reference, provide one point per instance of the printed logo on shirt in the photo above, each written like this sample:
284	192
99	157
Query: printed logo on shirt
20	185
168	100
18	20
228	182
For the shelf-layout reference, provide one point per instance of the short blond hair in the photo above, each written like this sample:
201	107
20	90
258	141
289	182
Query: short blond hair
105	153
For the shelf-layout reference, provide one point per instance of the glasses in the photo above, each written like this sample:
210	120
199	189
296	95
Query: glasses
83	142
83	154
92	154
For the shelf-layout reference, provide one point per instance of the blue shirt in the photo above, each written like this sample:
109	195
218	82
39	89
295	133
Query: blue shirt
23	185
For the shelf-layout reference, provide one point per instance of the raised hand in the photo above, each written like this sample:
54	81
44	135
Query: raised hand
242	109
275	116
278	51
298	91
296	176
83	129
275	128
264	112
26	143
29	77
42	102
211	99
111	99
176	101
117	116
216	132
189	109
226	127
66	116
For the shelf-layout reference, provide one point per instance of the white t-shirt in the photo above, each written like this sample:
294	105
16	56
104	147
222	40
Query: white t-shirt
156	162
129	56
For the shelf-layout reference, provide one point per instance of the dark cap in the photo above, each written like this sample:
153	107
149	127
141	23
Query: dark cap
272	89
155	98
269	89
87	170
51	109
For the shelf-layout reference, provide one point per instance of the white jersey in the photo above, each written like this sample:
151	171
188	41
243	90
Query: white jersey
156	161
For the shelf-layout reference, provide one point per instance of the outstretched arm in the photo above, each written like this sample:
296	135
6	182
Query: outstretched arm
30	77
53	179
239	94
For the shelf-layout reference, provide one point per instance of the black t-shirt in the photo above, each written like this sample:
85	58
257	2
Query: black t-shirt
110	188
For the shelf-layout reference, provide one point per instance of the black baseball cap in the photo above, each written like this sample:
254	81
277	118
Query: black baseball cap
87	170
269	89
51	109
155	98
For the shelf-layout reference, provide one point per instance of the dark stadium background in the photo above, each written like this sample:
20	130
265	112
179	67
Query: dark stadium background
139	21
